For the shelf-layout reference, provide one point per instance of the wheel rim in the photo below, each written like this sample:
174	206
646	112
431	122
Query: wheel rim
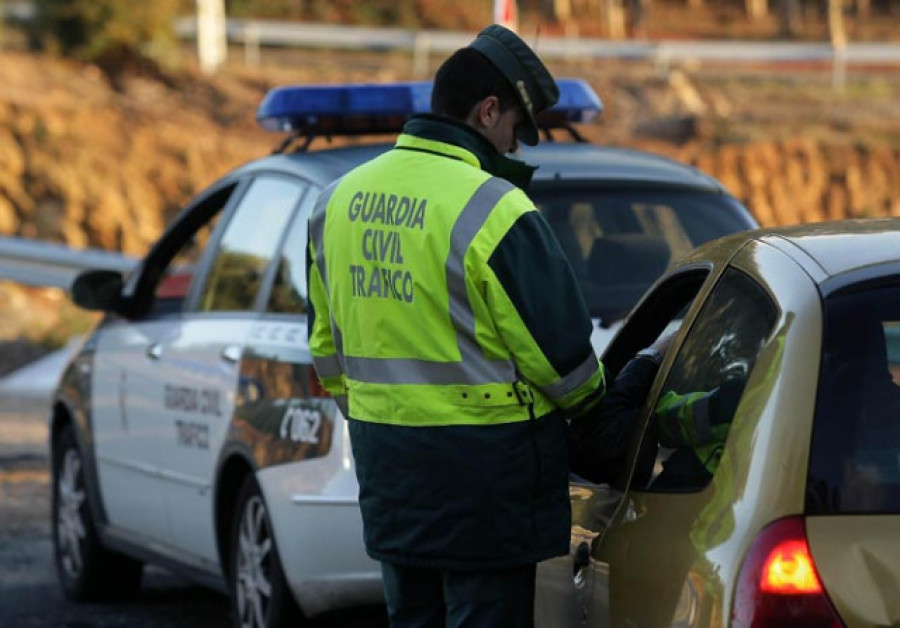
254	560
70	524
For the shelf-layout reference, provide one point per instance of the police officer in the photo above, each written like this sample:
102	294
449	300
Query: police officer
449	326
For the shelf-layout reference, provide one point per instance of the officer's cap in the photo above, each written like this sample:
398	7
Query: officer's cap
529	78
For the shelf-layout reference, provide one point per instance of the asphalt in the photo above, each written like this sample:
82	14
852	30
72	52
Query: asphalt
24	407
29	593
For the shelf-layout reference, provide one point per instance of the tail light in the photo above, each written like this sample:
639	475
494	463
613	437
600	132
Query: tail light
315	386
778	584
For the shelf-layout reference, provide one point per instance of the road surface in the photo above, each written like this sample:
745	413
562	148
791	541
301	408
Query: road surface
29	594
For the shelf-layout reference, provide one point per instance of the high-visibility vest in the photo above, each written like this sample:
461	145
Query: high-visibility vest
410	321
686	420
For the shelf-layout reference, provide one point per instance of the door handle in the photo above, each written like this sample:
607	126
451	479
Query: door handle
231	353
155	351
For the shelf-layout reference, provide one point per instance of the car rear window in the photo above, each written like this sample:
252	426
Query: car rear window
620	240
855	458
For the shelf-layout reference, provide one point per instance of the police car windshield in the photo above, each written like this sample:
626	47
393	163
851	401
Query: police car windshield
620	240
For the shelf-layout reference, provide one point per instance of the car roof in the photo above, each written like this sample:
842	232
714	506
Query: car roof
555	161
826	249
842	246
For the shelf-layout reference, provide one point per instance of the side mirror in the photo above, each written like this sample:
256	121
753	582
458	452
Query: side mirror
98	290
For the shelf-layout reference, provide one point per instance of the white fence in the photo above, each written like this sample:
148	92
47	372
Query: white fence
256	33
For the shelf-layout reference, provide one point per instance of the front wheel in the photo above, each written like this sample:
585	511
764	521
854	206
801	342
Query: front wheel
260	596
87	571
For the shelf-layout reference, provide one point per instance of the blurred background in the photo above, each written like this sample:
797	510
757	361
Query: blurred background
114	113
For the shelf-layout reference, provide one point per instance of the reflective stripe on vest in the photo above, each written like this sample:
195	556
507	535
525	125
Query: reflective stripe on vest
468	224
316	231
573	380
328	366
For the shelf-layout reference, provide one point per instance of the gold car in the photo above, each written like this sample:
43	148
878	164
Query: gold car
780	506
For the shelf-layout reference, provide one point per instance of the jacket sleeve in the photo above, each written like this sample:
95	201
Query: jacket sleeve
540	313
321	340
599	442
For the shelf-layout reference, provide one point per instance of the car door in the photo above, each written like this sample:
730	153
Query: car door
649	565
193	378
566	584
282	413
129	432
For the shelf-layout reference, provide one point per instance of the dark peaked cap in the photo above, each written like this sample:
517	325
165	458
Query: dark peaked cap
529	78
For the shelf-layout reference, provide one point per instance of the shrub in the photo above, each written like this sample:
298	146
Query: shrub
91	28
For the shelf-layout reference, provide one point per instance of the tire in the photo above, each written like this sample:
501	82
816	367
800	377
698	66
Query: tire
260	596
87	572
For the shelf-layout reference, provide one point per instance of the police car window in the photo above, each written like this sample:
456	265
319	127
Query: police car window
174	284
248	244
288	295
620	240
700	395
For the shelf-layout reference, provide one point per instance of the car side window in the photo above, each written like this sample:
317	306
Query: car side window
248	244
182	253
288	295
600	443
702	389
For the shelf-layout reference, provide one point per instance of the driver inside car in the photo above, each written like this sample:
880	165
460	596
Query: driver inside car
695	425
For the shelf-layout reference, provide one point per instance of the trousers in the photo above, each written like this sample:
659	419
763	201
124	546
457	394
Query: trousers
432	598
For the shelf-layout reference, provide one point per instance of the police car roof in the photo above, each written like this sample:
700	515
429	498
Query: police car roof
557	161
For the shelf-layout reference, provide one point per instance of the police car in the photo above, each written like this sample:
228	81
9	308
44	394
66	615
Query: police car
190	430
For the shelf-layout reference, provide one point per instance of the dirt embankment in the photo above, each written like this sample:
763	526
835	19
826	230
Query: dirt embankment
86	164
93	162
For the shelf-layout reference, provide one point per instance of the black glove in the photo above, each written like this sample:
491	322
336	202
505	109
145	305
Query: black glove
600	440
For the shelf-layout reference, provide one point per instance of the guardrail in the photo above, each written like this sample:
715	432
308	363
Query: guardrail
256	33
39	263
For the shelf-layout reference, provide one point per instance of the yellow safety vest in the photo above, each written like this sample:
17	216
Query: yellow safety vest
411	324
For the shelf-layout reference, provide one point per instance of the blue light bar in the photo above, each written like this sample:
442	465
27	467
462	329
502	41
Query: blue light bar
364	109
343	109
578	102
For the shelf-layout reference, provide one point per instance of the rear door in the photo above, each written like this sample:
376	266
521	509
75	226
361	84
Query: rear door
853	490
128	392
194	381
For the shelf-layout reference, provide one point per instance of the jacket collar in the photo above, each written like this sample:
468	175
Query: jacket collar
460	135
